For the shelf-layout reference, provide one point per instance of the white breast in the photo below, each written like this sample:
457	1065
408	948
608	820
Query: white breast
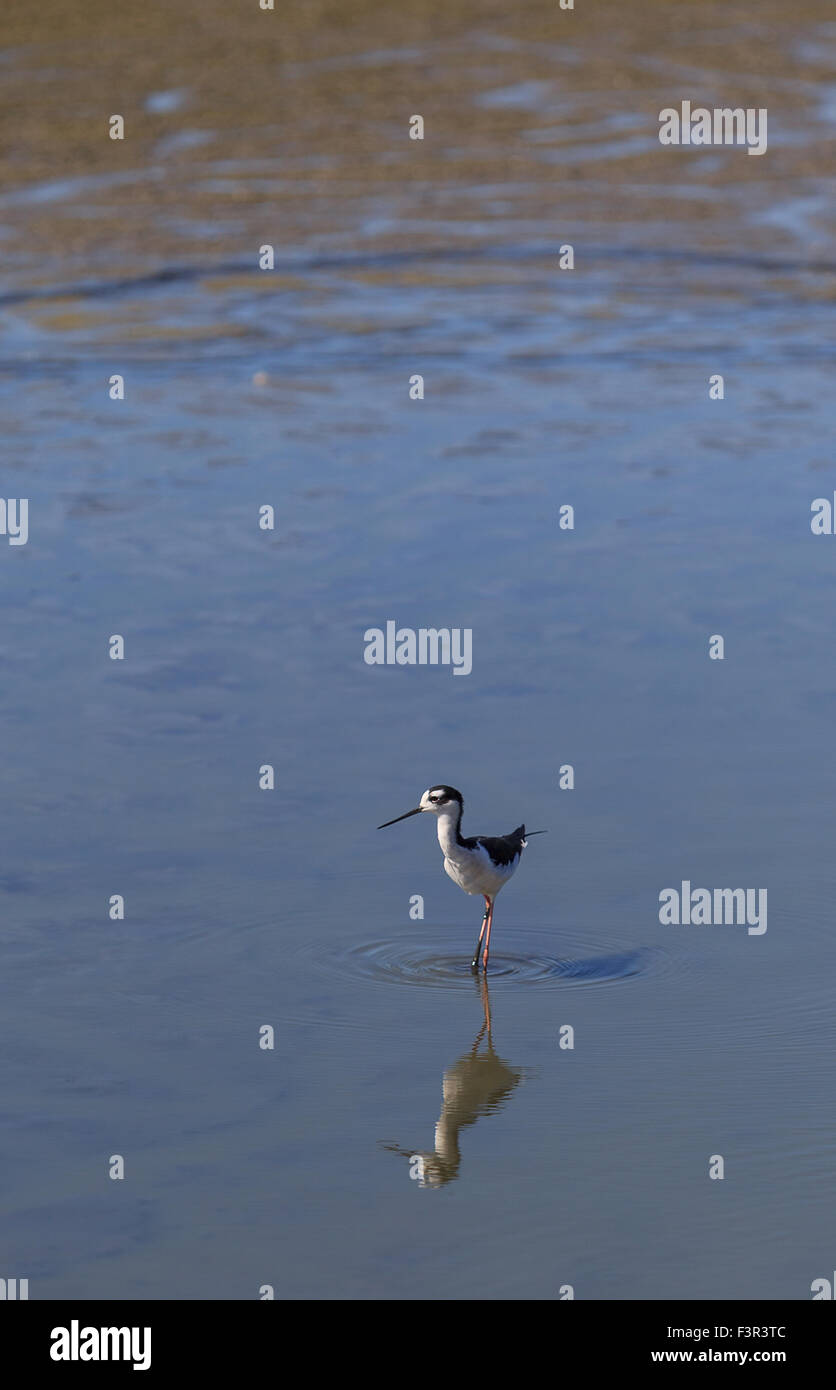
472	869
475	872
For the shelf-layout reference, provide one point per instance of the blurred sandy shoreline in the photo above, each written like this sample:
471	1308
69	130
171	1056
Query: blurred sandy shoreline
248	126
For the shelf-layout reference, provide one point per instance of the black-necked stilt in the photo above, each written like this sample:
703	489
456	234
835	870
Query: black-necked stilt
482	864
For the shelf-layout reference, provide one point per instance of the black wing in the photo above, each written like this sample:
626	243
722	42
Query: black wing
503	849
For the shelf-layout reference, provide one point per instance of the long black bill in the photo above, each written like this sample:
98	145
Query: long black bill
405	816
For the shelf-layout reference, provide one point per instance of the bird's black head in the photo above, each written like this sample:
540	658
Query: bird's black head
441	796
441	800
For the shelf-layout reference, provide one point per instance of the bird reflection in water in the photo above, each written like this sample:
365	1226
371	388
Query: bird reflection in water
477	1084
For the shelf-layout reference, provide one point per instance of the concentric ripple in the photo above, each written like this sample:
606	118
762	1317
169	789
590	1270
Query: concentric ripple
428	960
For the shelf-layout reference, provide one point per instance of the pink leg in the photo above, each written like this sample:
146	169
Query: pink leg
488	936
475	962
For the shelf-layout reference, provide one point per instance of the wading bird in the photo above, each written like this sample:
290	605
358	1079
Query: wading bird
482	864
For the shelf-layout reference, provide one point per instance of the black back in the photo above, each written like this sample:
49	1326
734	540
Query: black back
503	849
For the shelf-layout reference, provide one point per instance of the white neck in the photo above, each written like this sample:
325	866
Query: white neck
448	821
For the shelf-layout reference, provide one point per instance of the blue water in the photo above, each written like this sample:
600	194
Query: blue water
544	1166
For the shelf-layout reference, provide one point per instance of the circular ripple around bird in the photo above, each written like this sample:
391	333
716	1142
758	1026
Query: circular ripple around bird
412	962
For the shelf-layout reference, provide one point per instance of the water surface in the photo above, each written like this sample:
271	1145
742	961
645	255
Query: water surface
542	1166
